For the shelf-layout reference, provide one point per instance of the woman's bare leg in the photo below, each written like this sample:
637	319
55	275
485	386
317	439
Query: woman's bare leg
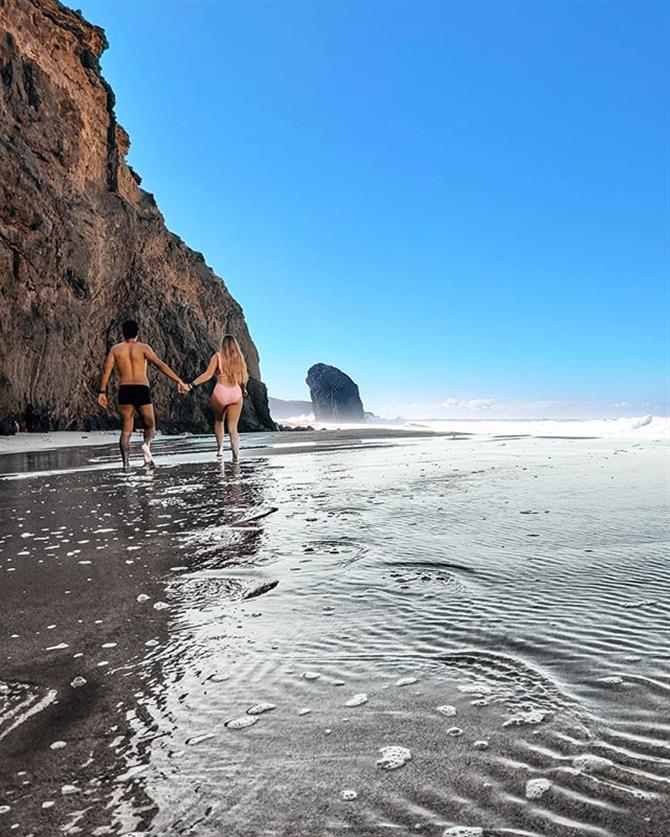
218	424
127	420
233	416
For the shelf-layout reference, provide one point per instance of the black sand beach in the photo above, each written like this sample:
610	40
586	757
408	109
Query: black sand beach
210	649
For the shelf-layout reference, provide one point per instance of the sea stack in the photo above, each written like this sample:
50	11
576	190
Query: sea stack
83	247
335	396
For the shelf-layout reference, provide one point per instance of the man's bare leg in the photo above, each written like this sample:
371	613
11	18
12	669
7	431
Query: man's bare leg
232	417
146	411
127	419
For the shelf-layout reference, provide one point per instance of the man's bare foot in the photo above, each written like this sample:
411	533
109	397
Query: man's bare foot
148	458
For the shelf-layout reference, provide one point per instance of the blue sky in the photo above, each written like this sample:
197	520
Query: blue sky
464	205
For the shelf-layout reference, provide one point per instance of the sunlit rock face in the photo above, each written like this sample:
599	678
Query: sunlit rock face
83	247
335	396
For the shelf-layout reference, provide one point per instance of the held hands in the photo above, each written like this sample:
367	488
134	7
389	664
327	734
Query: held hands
183	388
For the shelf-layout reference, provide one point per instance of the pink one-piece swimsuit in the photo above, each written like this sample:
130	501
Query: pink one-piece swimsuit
224	395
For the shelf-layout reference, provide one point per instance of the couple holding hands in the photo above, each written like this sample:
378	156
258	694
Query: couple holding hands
130	360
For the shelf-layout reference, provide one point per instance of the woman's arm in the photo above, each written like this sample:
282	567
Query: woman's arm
207	374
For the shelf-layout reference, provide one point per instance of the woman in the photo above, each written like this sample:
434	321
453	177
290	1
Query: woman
227	397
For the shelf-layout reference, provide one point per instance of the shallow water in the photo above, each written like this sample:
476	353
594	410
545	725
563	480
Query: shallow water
496	611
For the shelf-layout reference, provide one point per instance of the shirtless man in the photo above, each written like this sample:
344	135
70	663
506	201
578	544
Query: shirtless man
130	359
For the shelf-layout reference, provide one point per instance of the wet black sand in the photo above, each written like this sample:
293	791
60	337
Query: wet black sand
521	582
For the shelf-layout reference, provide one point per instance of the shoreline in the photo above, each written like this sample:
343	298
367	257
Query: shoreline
643	428
27	443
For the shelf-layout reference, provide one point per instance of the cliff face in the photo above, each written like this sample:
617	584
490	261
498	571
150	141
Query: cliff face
83	247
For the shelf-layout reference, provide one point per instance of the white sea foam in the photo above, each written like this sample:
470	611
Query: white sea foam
357	700
260	708
649	428
242	722
535	788
393	757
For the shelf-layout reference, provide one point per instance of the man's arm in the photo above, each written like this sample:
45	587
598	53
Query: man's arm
106	373
152	357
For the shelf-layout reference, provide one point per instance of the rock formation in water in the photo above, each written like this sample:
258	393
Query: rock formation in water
335	396
83	247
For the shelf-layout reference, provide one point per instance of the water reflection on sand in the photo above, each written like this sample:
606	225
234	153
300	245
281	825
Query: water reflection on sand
251	637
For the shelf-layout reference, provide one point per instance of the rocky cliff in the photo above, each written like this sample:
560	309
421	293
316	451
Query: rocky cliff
83	247
335	396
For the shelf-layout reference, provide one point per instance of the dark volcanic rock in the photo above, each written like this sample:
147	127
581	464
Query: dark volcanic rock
82	247
334	395
7	426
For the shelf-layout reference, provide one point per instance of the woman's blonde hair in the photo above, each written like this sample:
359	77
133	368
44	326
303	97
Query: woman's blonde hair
233	365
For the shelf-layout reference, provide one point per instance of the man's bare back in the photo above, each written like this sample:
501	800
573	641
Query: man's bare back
130	361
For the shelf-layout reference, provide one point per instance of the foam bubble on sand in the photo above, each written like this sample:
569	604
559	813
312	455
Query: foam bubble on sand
590	762
532	716
143	598
48	804
58	745
305	711
357	700
406	681
58	647
463	831
130	774
66	790
198	739
260	708
161	605
311	675
242	722
447	710
5	808
613	680
535	788
475	689
78	682
348	794
455	731
481	745
393	757
151	643
219	678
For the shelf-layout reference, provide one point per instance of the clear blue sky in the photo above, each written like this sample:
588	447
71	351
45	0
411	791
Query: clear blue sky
450	200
